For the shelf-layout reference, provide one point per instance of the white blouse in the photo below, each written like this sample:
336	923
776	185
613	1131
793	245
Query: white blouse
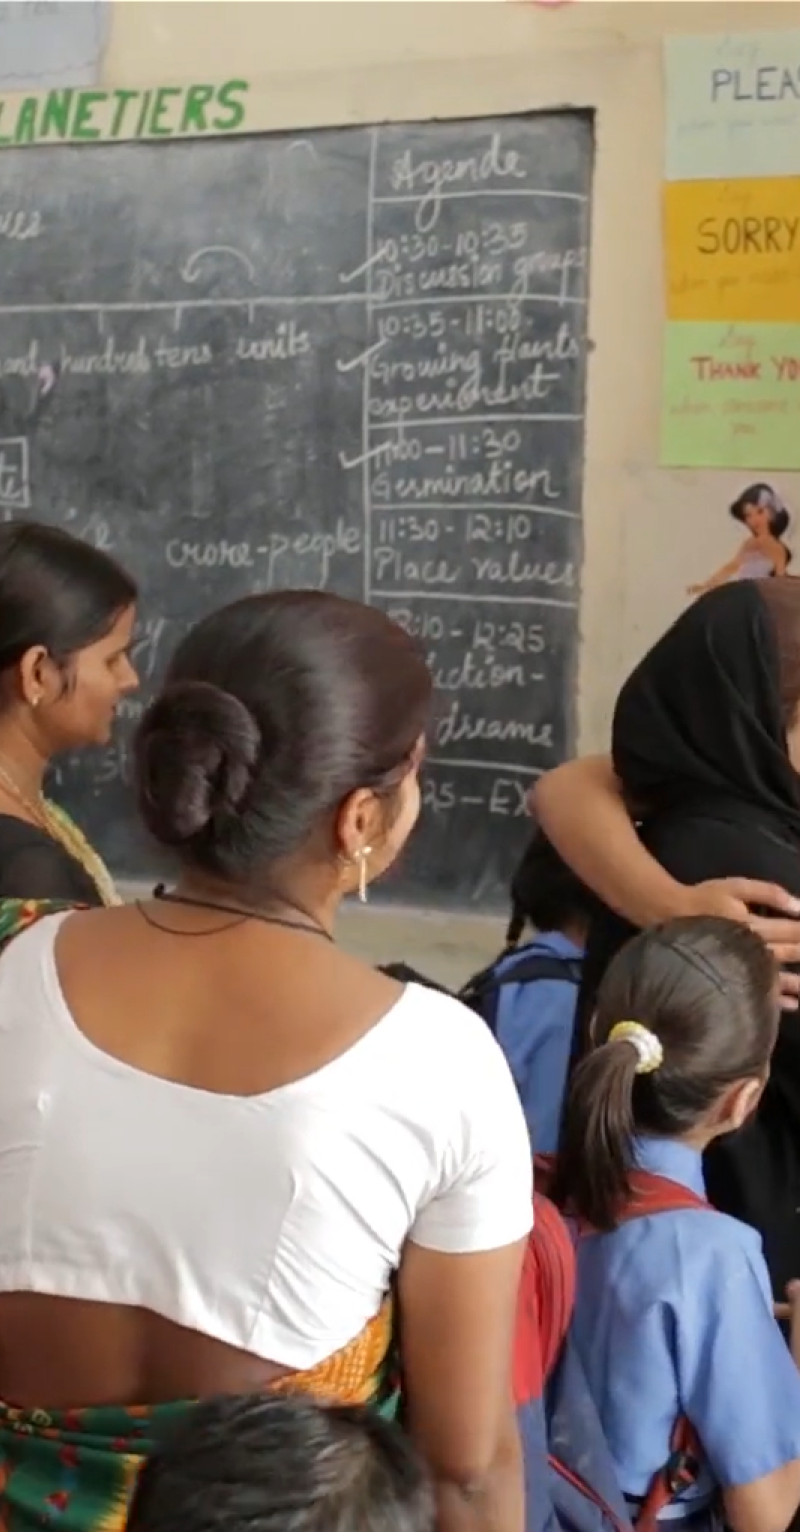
271	1222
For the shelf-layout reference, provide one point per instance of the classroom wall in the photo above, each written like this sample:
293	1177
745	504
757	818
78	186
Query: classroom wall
649	531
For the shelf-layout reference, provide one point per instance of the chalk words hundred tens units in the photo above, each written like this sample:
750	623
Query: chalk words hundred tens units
397	415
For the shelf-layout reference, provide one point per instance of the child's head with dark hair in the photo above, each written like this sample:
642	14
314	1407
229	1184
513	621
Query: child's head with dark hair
686	1021
760	509
262	1463
547	895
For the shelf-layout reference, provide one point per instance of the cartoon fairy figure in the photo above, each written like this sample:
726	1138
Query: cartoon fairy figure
763	553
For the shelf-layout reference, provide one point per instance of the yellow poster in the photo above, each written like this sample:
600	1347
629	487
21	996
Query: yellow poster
733	250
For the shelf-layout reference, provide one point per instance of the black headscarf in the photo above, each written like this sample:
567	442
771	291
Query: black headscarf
701	716
699	739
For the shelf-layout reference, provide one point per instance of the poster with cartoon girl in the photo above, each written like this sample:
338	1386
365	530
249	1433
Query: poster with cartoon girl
763	553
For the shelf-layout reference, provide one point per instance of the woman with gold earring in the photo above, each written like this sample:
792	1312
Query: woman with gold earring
286	1150
66	621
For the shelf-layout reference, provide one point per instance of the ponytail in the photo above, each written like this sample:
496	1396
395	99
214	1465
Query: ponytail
516	926
703	992
595	1154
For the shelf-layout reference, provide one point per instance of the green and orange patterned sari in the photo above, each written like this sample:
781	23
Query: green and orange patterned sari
75	1470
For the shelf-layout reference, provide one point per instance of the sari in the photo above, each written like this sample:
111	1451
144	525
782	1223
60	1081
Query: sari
76	1469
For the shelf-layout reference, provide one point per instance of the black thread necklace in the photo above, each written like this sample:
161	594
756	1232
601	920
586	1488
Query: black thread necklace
241	913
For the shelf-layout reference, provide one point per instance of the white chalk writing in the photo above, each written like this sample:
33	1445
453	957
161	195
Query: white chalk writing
14	473
18	224
283	344
285	550
216	555
429	178
459	727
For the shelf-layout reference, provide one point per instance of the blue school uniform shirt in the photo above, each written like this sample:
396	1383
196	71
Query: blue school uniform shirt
534	1029
674	1316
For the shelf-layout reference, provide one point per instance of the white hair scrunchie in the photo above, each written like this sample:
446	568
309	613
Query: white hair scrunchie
647	1045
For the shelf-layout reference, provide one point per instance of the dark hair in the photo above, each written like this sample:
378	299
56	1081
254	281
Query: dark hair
764	498
782	600
546	893
706	988
55	591
270	1464
275	709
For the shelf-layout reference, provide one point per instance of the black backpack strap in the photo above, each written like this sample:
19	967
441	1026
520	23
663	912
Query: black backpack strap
530	968
405	974
542	965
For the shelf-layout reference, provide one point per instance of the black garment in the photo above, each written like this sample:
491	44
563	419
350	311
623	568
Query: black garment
698	736
34	866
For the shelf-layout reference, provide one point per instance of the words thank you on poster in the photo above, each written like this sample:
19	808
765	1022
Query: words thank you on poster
353	361
732	245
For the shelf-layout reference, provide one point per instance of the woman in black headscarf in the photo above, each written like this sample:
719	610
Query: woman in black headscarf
706	749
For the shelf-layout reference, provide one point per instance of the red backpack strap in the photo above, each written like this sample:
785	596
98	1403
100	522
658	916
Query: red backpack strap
554	1250
544	1166
527	1373
554	1255
651	1193
679	1473
545	1303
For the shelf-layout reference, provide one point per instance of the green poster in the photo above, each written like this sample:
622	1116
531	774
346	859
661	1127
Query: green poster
731	396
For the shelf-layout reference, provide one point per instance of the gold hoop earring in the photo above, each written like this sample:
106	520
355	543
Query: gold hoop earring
362	857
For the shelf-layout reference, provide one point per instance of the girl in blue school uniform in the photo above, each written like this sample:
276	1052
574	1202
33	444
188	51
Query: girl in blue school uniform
674	1313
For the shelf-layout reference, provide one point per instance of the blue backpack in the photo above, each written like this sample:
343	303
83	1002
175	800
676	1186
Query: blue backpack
536	1034
570	1480
527	965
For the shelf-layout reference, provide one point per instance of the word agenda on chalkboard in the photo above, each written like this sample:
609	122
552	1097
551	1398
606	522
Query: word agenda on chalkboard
351	360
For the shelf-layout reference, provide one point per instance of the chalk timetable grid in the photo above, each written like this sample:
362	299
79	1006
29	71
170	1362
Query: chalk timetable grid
500	629
731	208
377	436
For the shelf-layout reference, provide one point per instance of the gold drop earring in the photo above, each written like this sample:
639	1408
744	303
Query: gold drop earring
362	857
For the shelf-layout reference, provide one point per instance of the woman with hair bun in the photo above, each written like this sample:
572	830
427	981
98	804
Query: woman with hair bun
227	1147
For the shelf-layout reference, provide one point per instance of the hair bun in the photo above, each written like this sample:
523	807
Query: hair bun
197	748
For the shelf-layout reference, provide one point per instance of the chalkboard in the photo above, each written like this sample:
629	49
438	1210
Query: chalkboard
351	359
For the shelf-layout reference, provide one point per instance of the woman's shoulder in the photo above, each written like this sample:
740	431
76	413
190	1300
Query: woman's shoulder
447	1030
437	1062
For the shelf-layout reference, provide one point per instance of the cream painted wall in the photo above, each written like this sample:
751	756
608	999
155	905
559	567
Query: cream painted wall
649	531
